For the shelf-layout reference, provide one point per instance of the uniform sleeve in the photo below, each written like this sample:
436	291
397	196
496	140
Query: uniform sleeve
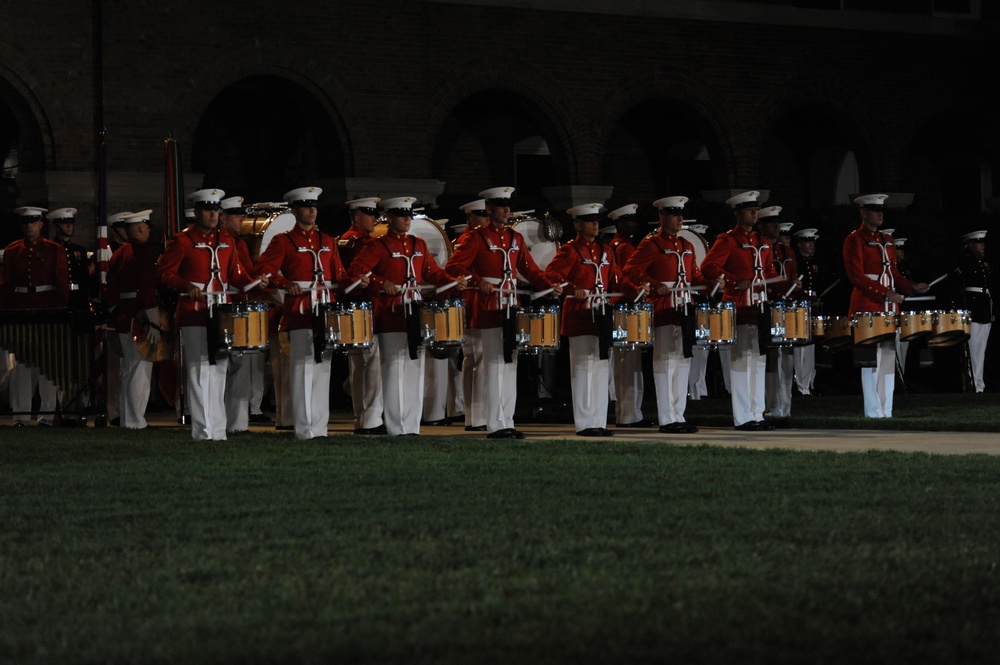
561	265
270	262
715	261
61	277
365	261
169	264
634	269
460	262
431	273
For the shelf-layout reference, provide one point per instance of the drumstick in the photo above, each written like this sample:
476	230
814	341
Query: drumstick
714	289
792	287
913	298
356	282
830	288
937	280
542	294
449	285
599	295
642	292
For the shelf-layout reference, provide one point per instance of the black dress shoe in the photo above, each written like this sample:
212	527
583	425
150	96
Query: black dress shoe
678	428
371	430
115	422
595	431
642	423
435	423
765	426
260	418
502	434
749	426
409	434
517	434
475	428
460	418
284	428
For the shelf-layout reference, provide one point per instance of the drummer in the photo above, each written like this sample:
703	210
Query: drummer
305	263
698	374
664	267
131	288
365	365
117	237
870	267
626	364
82	268
591	272
804	356
743	258
494	255
472	349
975	274
199	264
780	359
400	265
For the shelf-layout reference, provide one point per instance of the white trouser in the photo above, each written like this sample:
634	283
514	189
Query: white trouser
725	364
697	387
206	386
628	384
804	367
747	369
112	377
778	382
670	374
901	348
283	416
979	335
456	396
472	378
6	366
499	381
588	375
435	393
310	386
366	386
238	392
257	363
402	384
24	380
136	382
878	383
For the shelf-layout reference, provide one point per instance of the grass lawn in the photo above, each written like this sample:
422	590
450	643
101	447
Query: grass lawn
147	547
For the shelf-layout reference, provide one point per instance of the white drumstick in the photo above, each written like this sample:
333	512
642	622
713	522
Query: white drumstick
642	292
914	298
356	282
545	292
449	285
714	289
792	287
942	277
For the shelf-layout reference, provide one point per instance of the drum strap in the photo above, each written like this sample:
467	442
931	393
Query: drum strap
509	338
413	320
605	325
764	328
688	325
319	337
212	335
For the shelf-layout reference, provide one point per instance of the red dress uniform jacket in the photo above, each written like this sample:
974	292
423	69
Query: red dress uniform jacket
287	265
183	264
577	262
481	256
784	265
728	256
35	275
469	295
654	262
388	259
863	264
131	271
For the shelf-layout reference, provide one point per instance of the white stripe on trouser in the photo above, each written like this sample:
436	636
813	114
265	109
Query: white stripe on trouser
24	380
206	386
588	375
628	381
402	384
136	379
238	392
456	396
670	374
878	383
366	387
697	387
979	335
283	416
472	378
805	367
746	377
310	386
778	382
435	393
499	382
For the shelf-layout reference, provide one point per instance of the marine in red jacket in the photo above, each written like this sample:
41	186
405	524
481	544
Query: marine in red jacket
35	269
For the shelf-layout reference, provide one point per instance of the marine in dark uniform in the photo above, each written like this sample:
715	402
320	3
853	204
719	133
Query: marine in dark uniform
82	268
974	271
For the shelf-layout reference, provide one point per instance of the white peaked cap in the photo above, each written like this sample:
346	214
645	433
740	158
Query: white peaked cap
30	211
670	203
625	211
399	204
766	213
369	204
473	206
136	217
871	200
585	210
495	193
62	213
303	196
744	200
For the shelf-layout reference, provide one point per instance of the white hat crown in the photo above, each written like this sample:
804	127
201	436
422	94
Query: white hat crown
399	203
585	210
231	202
866	200
805	234
209	197
670	203
473	206
975	235
136	217
366	203
768	212
495	193
62	213
30	211
308	195
743	200
624	211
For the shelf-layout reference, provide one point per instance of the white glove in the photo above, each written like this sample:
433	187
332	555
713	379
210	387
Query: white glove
153	334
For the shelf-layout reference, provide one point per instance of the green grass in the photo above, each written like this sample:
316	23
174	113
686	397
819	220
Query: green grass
149	548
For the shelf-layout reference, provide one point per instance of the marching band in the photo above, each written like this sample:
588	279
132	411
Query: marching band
216	307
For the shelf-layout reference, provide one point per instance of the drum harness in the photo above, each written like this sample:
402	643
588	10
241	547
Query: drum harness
598	299
409	295
681	297
507	287
758	285
885	279
213	296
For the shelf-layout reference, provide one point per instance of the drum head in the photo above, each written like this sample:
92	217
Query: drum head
699	242
279	224
430	232
539	246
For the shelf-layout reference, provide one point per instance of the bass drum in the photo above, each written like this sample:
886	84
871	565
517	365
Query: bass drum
262	222
425	228
541	236
699	242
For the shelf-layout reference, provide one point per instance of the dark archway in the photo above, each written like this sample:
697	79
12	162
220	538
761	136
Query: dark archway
264	135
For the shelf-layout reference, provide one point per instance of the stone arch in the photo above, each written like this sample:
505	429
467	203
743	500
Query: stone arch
36	133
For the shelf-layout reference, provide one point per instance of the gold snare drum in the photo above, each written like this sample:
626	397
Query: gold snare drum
791	323
873	327
715	325
443	323
348	326
243	326
914	325
538	328
633	326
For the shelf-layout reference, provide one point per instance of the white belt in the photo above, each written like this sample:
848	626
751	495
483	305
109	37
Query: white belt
874	278
492	280
74	287
976	289
131	295
35	289
305	285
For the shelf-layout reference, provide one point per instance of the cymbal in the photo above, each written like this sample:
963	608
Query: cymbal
164	348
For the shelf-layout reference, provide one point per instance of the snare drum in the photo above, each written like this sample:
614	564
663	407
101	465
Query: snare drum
791	323
243	326
873	327
633	326
538	328
914	325
443	323
348	326
715	325
951	327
